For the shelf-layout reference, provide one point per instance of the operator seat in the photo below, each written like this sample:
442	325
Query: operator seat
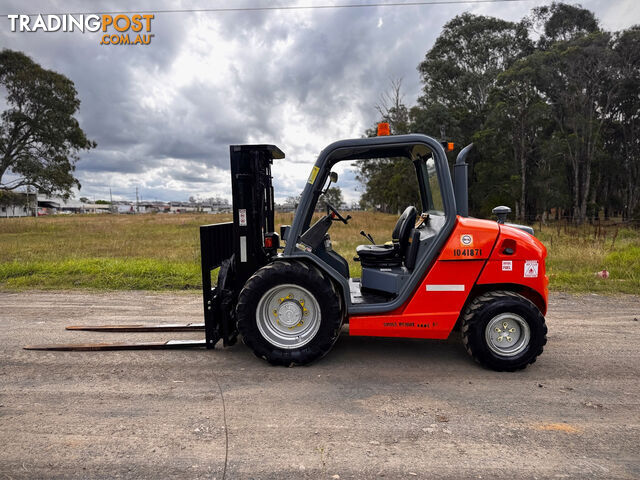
379	256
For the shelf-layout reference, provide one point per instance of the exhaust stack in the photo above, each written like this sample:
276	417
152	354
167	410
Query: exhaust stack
461	182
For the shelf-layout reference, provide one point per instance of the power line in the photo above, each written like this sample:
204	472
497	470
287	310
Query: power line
286	7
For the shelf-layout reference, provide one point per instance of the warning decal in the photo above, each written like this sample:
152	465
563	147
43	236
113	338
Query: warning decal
242	217
507	265
531	268
314	174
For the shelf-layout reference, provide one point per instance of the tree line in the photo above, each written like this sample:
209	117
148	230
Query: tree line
552	104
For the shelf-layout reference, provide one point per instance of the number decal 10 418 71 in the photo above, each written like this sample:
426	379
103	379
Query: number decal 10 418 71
467	252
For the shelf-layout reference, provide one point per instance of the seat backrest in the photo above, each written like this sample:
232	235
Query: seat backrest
412	249
403	228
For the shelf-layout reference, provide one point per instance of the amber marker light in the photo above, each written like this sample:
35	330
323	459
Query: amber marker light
383	129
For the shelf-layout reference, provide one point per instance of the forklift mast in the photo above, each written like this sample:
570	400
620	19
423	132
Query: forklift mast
238	248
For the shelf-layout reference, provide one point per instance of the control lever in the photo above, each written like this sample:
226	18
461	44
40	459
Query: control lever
367	236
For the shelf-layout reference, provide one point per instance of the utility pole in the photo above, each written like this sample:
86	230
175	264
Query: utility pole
34	209
111	207
137	207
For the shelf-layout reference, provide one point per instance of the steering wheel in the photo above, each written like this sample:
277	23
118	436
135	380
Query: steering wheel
336	214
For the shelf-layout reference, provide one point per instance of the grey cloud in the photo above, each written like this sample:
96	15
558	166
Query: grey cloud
335	64
190	178
100	161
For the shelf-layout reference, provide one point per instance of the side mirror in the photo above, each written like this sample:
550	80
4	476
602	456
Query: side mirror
333	178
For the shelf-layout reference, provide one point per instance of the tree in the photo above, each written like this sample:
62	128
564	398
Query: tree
392	110
560	22
12	199
39	136
293	200
390	183
333	196
459	74
575	78
623	139
514	131
461	69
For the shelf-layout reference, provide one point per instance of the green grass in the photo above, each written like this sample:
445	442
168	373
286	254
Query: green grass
147	252
101	274
162	252
575	254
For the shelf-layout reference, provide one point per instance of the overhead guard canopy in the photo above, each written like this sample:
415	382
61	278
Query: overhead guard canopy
276	153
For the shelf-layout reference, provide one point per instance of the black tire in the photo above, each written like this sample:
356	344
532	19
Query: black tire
306	277
487	309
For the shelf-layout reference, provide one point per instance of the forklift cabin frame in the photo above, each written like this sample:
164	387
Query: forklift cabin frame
409	146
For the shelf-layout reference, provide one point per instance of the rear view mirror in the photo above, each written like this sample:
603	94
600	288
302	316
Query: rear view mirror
333	178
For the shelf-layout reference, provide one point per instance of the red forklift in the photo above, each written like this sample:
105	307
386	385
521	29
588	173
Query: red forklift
288	294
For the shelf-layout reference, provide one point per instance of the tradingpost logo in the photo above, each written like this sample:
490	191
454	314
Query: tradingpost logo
116	29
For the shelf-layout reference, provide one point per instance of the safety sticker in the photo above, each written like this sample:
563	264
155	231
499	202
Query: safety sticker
507	265
531	268
304	247
314	174
242	217
466	240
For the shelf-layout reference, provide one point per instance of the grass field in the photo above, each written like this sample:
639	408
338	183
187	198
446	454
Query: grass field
160	252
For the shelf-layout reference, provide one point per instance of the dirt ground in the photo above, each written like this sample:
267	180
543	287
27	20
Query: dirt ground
372	408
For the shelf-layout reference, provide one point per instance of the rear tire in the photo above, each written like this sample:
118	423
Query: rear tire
503	331
289	313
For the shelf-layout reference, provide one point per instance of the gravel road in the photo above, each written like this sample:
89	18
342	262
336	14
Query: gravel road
373	408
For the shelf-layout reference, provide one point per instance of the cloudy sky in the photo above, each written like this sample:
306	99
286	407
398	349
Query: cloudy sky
164	114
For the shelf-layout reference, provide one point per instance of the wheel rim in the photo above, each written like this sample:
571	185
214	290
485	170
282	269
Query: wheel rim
288	316
507	334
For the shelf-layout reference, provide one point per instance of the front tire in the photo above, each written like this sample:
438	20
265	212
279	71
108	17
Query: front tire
289	313
503	331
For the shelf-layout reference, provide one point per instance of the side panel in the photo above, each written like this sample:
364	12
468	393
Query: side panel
518	259
472	239
434	307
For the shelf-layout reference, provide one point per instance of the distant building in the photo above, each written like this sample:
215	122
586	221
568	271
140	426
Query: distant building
55	205
8	211
18	204
153	207
58	205
182	207
124	207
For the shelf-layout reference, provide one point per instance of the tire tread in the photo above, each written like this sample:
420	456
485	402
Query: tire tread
331	311
471	316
